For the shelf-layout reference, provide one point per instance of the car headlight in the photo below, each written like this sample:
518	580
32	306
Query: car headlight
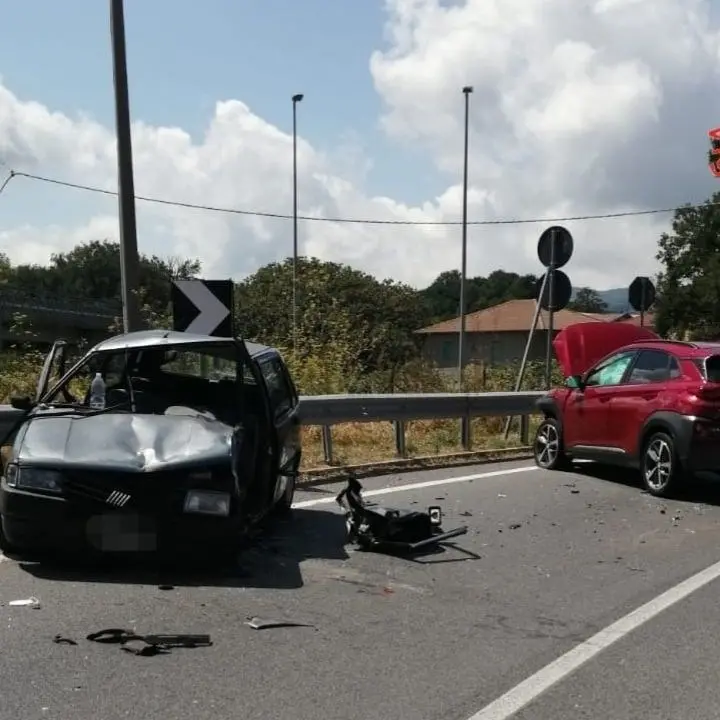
33	479
207	502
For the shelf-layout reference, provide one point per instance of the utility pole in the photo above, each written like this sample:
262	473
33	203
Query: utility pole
467	90
129	261
295	100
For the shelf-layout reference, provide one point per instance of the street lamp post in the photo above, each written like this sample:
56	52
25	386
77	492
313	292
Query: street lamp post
129	261
295	100
467	90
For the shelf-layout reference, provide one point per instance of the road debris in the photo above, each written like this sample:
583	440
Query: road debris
515	526
390	530
257	623
32	602
60	640
148	645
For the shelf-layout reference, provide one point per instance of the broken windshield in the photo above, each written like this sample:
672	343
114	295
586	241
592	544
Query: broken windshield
155	379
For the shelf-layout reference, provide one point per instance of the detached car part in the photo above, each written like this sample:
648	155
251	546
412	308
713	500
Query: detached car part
378	528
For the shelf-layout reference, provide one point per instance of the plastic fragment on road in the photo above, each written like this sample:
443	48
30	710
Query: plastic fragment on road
391	530
257	623
148	645
32	602
60	640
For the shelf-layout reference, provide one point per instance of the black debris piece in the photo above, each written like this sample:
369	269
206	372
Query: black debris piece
465	513
148	645
575	492
515	526
257	623
390	530
166	587
60	640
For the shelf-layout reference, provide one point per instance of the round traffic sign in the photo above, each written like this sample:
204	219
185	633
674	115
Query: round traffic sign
641	294
563	246
561	291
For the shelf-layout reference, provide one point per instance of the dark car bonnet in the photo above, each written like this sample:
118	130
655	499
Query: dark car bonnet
124	441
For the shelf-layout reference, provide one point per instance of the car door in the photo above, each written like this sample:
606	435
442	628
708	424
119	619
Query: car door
586	420
640	395
284	402
11	416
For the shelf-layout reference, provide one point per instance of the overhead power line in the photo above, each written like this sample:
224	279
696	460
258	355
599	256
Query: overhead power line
358	221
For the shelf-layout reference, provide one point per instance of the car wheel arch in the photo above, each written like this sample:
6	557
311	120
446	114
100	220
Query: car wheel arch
667	422
550	408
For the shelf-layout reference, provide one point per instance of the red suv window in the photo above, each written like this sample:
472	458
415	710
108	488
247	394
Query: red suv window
654	366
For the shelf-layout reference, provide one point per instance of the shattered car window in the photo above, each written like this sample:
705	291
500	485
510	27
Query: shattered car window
158	380
201	365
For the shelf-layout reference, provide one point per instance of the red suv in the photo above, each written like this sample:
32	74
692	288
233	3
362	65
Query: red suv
631	398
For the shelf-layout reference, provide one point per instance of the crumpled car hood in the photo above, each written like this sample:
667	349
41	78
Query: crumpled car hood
123	441
579	347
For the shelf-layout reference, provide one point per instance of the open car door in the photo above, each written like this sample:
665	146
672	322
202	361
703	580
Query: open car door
54	366
579	347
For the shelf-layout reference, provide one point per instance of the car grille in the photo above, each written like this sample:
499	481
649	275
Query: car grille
145	492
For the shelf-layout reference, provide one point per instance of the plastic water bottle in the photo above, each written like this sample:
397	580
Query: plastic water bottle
97	393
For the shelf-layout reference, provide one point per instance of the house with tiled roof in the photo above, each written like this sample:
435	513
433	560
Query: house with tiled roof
497	335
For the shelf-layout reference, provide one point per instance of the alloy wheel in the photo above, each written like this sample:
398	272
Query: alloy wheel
547	445
658	464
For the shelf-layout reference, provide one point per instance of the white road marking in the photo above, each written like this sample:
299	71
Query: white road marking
418	485
528	690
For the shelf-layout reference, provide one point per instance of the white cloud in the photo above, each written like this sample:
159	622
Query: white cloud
579	107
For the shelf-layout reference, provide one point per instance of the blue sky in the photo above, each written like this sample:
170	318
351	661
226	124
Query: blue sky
184	56
583	76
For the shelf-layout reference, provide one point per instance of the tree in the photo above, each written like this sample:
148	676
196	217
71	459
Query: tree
370	323
442	298
689	283
92	271
587	300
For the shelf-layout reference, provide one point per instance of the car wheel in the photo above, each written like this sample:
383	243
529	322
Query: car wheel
283	507
547	448
5	546
660	466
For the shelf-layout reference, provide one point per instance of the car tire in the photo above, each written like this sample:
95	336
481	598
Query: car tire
548	448
6	547
283	507
659	465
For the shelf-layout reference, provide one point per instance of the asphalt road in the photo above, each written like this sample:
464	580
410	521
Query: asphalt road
551	560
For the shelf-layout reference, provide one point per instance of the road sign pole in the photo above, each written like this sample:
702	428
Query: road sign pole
642	305
528	345
551	304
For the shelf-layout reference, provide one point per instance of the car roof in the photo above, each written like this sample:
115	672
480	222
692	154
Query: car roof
169	338
695	349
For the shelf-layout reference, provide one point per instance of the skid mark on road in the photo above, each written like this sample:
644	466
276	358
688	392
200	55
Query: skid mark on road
420	485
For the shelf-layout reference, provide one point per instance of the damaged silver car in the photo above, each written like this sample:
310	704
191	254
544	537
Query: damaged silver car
154	440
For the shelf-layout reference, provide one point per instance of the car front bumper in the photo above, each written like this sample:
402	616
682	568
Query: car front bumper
34	521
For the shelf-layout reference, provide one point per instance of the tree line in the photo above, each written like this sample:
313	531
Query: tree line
371	323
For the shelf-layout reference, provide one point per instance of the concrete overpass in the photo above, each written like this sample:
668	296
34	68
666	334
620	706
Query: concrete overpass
42	319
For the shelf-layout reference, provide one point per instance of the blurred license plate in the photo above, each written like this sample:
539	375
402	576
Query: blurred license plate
122	532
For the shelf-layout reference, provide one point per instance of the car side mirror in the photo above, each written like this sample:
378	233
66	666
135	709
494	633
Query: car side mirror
21	402
574	382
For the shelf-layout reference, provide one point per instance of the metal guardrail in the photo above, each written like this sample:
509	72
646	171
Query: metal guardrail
329	410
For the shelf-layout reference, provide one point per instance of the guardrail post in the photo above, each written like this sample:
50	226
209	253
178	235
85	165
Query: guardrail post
327	444
465	434
400	447
525	429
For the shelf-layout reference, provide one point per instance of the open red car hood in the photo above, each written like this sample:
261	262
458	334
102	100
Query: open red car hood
578	347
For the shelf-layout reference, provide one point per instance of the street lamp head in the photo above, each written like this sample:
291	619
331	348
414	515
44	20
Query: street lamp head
467	89
297	98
